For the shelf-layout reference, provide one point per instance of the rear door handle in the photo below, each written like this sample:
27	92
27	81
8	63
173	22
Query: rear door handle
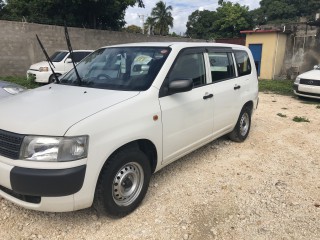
236	87
207	96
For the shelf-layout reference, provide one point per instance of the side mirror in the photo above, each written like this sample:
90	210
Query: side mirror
183	85
316	67
68	60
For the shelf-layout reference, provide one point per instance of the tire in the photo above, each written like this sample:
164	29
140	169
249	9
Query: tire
123	182
242	128
52	78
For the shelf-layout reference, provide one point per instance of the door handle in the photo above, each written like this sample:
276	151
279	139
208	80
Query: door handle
207	96
236	87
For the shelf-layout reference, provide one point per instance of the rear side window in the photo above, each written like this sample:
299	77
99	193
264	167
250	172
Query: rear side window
78	56
243	63
221	66
187	66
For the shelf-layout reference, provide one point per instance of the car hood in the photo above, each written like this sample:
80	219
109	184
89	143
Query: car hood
313	75
36	66
53	109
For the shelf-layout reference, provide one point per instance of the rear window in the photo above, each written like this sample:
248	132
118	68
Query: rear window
243	62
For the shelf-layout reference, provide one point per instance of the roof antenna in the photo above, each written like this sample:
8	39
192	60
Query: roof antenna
71	52
48	59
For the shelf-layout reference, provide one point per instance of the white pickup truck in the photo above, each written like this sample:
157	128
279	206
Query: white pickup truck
135	109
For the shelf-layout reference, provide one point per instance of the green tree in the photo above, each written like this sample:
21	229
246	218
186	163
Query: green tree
231	19
133	29
102	14
200	24
161	18
288	10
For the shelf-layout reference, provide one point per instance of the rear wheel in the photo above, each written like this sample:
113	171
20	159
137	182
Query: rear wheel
242	128
123	182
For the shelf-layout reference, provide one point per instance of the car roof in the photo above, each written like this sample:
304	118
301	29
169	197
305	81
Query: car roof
177	45
75	50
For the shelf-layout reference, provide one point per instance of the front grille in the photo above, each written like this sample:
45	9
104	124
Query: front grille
310	82
10	144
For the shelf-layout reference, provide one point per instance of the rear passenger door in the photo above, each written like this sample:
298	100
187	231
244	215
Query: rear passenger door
187	117
226	89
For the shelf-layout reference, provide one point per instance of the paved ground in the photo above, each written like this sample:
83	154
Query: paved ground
265	188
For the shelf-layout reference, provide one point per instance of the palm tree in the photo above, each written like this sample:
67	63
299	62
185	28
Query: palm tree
161	18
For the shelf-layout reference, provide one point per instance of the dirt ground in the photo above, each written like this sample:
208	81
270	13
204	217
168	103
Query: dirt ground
265	188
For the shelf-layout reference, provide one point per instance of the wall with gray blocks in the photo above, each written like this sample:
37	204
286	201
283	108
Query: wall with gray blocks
19	47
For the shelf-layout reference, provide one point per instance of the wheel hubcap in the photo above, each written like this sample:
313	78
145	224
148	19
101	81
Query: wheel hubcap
127	184
244	124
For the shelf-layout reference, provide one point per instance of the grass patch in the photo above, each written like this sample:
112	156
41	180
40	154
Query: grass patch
284	108
23	81
300	119
282	87
281	115
318	107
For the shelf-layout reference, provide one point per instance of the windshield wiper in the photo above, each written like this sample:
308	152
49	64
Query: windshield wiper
71	52
48	59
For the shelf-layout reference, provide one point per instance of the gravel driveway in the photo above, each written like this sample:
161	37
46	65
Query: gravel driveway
265	188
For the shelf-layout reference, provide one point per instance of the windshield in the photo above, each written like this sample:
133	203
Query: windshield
58	56
121	68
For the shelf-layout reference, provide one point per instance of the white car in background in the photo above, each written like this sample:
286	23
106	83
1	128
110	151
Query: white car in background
308	84
61	59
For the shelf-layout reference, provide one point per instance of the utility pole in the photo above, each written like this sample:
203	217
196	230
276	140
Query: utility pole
141	16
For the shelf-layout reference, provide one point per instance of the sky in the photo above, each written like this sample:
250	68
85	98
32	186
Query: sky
181	11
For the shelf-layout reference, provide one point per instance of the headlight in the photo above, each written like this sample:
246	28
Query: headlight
43	69
54	149
297	81
13	89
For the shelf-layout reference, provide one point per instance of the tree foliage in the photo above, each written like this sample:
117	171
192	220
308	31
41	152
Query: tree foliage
225	22
133	29
275	10
200	24
161	19
102	14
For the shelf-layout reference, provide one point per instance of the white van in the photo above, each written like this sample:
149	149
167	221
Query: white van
135	109
61	59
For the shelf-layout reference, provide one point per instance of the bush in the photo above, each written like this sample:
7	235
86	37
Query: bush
23	81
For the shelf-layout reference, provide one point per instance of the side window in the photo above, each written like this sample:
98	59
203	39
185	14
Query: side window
243	63
189	66
221	65
78	56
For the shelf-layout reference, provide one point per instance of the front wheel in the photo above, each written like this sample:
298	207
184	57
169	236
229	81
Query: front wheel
52	78
123	182
242	128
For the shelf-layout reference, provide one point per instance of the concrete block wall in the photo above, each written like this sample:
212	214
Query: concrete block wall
19	47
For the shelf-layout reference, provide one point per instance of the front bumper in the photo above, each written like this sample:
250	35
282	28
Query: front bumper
49	190
309	91
40	77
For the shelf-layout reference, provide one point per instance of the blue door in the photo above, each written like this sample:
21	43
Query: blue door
256	50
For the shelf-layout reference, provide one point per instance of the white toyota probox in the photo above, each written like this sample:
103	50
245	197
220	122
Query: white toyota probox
134	109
